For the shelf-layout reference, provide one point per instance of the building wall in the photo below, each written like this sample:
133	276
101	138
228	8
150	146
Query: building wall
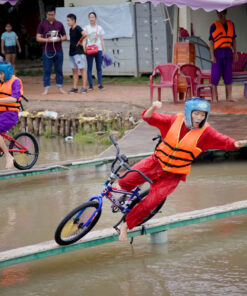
202	20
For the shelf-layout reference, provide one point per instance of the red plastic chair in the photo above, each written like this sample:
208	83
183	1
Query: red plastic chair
195	80
239	66
193	76
168	78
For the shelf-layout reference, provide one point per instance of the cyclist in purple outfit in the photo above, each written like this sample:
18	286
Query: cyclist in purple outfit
9	105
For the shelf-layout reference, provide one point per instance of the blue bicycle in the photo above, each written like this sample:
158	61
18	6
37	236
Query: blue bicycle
82	219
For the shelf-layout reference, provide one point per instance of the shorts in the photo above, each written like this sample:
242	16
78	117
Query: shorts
222	67
7	120
78	61
10	49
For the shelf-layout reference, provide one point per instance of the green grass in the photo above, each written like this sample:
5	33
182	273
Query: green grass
93	138
47	134
31	73
118	79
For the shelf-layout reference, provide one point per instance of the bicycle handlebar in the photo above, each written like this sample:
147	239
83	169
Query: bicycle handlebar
113	140
123	159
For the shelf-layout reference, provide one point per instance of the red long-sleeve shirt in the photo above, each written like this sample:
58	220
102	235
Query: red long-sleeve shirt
210	139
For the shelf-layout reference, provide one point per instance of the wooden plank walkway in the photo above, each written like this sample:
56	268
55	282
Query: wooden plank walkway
94	238
76	164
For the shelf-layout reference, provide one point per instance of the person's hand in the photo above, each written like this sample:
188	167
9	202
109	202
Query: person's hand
79	43
157	105
235	57
19	50
213	59
241	143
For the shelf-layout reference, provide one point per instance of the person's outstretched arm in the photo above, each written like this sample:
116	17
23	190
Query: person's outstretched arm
156	105
212	139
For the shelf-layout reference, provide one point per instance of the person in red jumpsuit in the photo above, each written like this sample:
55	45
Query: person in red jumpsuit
184	137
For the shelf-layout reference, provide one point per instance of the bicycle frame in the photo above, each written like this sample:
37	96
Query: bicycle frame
91	210
20	147
107	192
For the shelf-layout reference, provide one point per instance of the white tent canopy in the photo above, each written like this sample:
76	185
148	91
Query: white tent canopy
207	5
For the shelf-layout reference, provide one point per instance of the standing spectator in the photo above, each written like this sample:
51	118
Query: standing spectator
9	41
94	37
222	42
76	53
51	33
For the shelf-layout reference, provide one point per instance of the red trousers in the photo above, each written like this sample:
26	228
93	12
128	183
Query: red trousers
163	184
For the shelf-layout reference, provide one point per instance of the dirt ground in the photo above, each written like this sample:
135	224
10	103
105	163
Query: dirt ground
117	98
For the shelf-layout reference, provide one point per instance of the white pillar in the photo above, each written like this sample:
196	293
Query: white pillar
185	18
159	237
101	168
175	27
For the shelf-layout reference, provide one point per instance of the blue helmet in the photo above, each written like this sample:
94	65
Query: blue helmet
195	104
7	69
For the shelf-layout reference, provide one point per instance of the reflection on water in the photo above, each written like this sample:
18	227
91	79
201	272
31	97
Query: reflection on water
57	149
204	259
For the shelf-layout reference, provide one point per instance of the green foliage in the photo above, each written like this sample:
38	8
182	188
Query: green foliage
118	79
37	72
47	134
94	137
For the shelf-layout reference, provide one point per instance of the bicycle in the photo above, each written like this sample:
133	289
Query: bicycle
78	222
24	148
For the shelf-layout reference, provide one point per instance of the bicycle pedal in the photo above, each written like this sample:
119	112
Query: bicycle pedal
114	209
117	229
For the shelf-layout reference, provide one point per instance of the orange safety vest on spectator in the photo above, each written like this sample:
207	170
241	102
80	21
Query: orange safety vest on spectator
221	37
6	88
176	155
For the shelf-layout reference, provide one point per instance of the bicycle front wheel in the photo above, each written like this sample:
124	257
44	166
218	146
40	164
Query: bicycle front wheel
77	223
25	160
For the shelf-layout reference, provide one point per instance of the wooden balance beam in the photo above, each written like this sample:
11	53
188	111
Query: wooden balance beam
154	227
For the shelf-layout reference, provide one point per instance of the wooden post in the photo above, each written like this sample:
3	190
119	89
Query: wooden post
57	127
62	127
30	125
23	124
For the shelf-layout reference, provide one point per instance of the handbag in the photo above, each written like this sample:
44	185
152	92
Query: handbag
92	49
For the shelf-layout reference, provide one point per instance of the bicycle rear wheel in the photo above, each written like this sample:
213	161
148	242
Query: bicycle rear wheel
25	160
77	223
154	211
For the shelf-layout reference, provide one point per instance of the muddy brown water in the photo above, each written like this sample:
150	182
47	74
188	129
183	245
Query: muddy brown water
53	150
204	259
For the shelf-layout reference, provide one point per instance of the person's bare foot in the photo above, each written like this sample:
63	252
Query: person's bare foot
9	162
123	233
61	90
45	92
231	100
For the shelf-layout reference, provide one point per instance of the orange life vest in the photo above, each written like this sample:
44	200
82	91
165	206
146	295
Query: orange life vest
176	156
221	37
6	88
